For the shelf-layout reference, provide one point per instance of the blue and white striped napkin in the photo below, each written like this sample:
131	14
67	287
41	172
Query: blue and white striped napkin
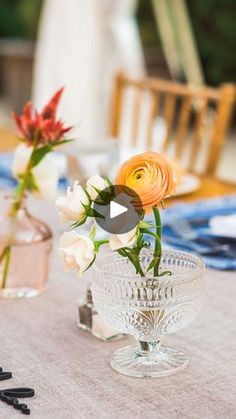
198	215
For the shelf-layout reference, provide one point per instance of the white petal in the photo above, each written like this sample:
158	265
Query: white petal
21	158
95	182
68	238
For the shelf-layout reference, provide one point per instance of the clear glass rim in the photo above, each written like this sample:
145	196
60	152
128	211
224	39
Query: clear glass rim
200	266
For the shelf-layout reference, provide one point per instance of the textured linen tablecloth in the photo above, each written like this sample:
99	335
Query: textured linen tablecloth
70	370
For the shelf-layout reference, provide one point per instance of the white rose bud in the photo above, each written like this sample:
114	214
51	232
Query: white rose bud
96	182
70	207
45	173
76	251
118	241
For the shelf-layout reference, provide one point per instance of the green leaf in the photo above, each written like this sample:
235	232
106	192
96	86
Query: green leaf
65	141
88	210
91	263
108	181
122	252
86	192
154	262
136	262
93	213
145	224
78	223
86	206
134	259
126	249
31	184
39	154
165	273
151	233
139	238
99	243
106	195
139	244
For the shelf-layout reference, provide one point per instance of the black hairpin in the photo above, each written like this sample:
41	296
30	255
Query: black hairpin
5	375
11	395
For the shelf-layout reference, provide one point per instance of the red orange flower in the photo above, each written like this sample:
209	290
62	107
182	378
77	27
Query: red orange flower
43	124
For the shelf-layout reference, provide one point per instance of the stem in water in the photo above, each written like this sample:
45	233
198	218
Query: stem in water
157	250
6	266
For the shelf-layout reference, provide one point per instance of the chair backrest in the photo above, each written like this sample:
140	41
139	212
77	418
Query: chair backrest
196	118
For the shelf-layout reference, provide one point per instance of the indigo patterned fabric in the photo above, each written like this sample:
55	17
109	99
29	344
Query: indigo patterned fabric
198	215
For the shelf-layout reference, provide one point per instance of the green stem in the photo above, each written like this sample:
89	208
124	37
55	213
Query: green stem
138	267
19	193
6	266
3	254
157	250
17	202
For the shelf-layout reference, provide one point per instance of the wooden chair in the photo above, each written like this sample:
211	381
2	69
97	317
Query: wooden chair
194	117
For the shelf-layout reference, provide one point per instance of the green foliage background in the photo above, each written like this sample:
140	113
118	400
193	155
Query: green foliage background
19	18
214	25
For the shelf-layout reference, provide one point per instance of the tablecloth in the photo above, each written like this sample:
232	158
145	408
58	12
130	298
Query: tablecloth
70	371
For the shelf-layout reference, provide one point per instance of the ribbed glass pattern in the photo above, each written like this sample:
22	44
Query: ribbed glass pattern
149	307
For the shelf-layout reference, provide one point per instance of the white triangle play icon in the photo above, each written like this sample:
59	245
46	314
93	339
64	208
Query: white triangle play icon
116	209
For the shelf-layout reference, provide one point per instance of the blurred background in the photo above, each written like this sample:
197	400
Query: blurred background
138	75
45	44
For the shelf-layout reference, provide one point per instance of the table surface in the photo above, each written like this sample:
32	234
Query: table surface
70	370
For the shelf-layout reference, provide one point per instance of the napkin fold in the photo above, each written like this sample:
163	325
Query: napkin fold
224	226
200	216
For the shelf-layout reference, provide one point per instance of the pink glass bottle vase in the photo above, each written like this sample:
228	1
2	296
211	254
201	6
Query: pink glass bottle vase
30	243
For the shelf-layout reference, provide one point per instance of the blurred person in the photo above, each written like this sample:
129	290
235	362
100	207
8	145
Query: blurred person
81	45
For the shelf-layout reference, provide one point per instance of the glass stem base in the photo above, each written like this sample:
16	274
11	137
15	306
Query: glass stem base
148	360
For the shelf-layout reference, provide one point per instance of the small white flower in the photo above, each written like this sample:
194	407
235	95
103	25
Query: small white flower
70	207
118	241
96	182
45	173
76	251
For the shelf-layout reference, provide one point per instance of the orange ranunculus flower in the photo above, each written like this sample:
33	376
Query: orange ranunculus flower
150	175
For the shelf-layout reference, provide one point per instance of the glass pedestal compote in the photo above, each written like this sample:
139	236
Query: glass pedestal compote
148	308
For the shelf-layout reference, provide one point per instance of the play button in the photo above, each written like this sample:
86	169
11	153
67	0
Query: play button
118	209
